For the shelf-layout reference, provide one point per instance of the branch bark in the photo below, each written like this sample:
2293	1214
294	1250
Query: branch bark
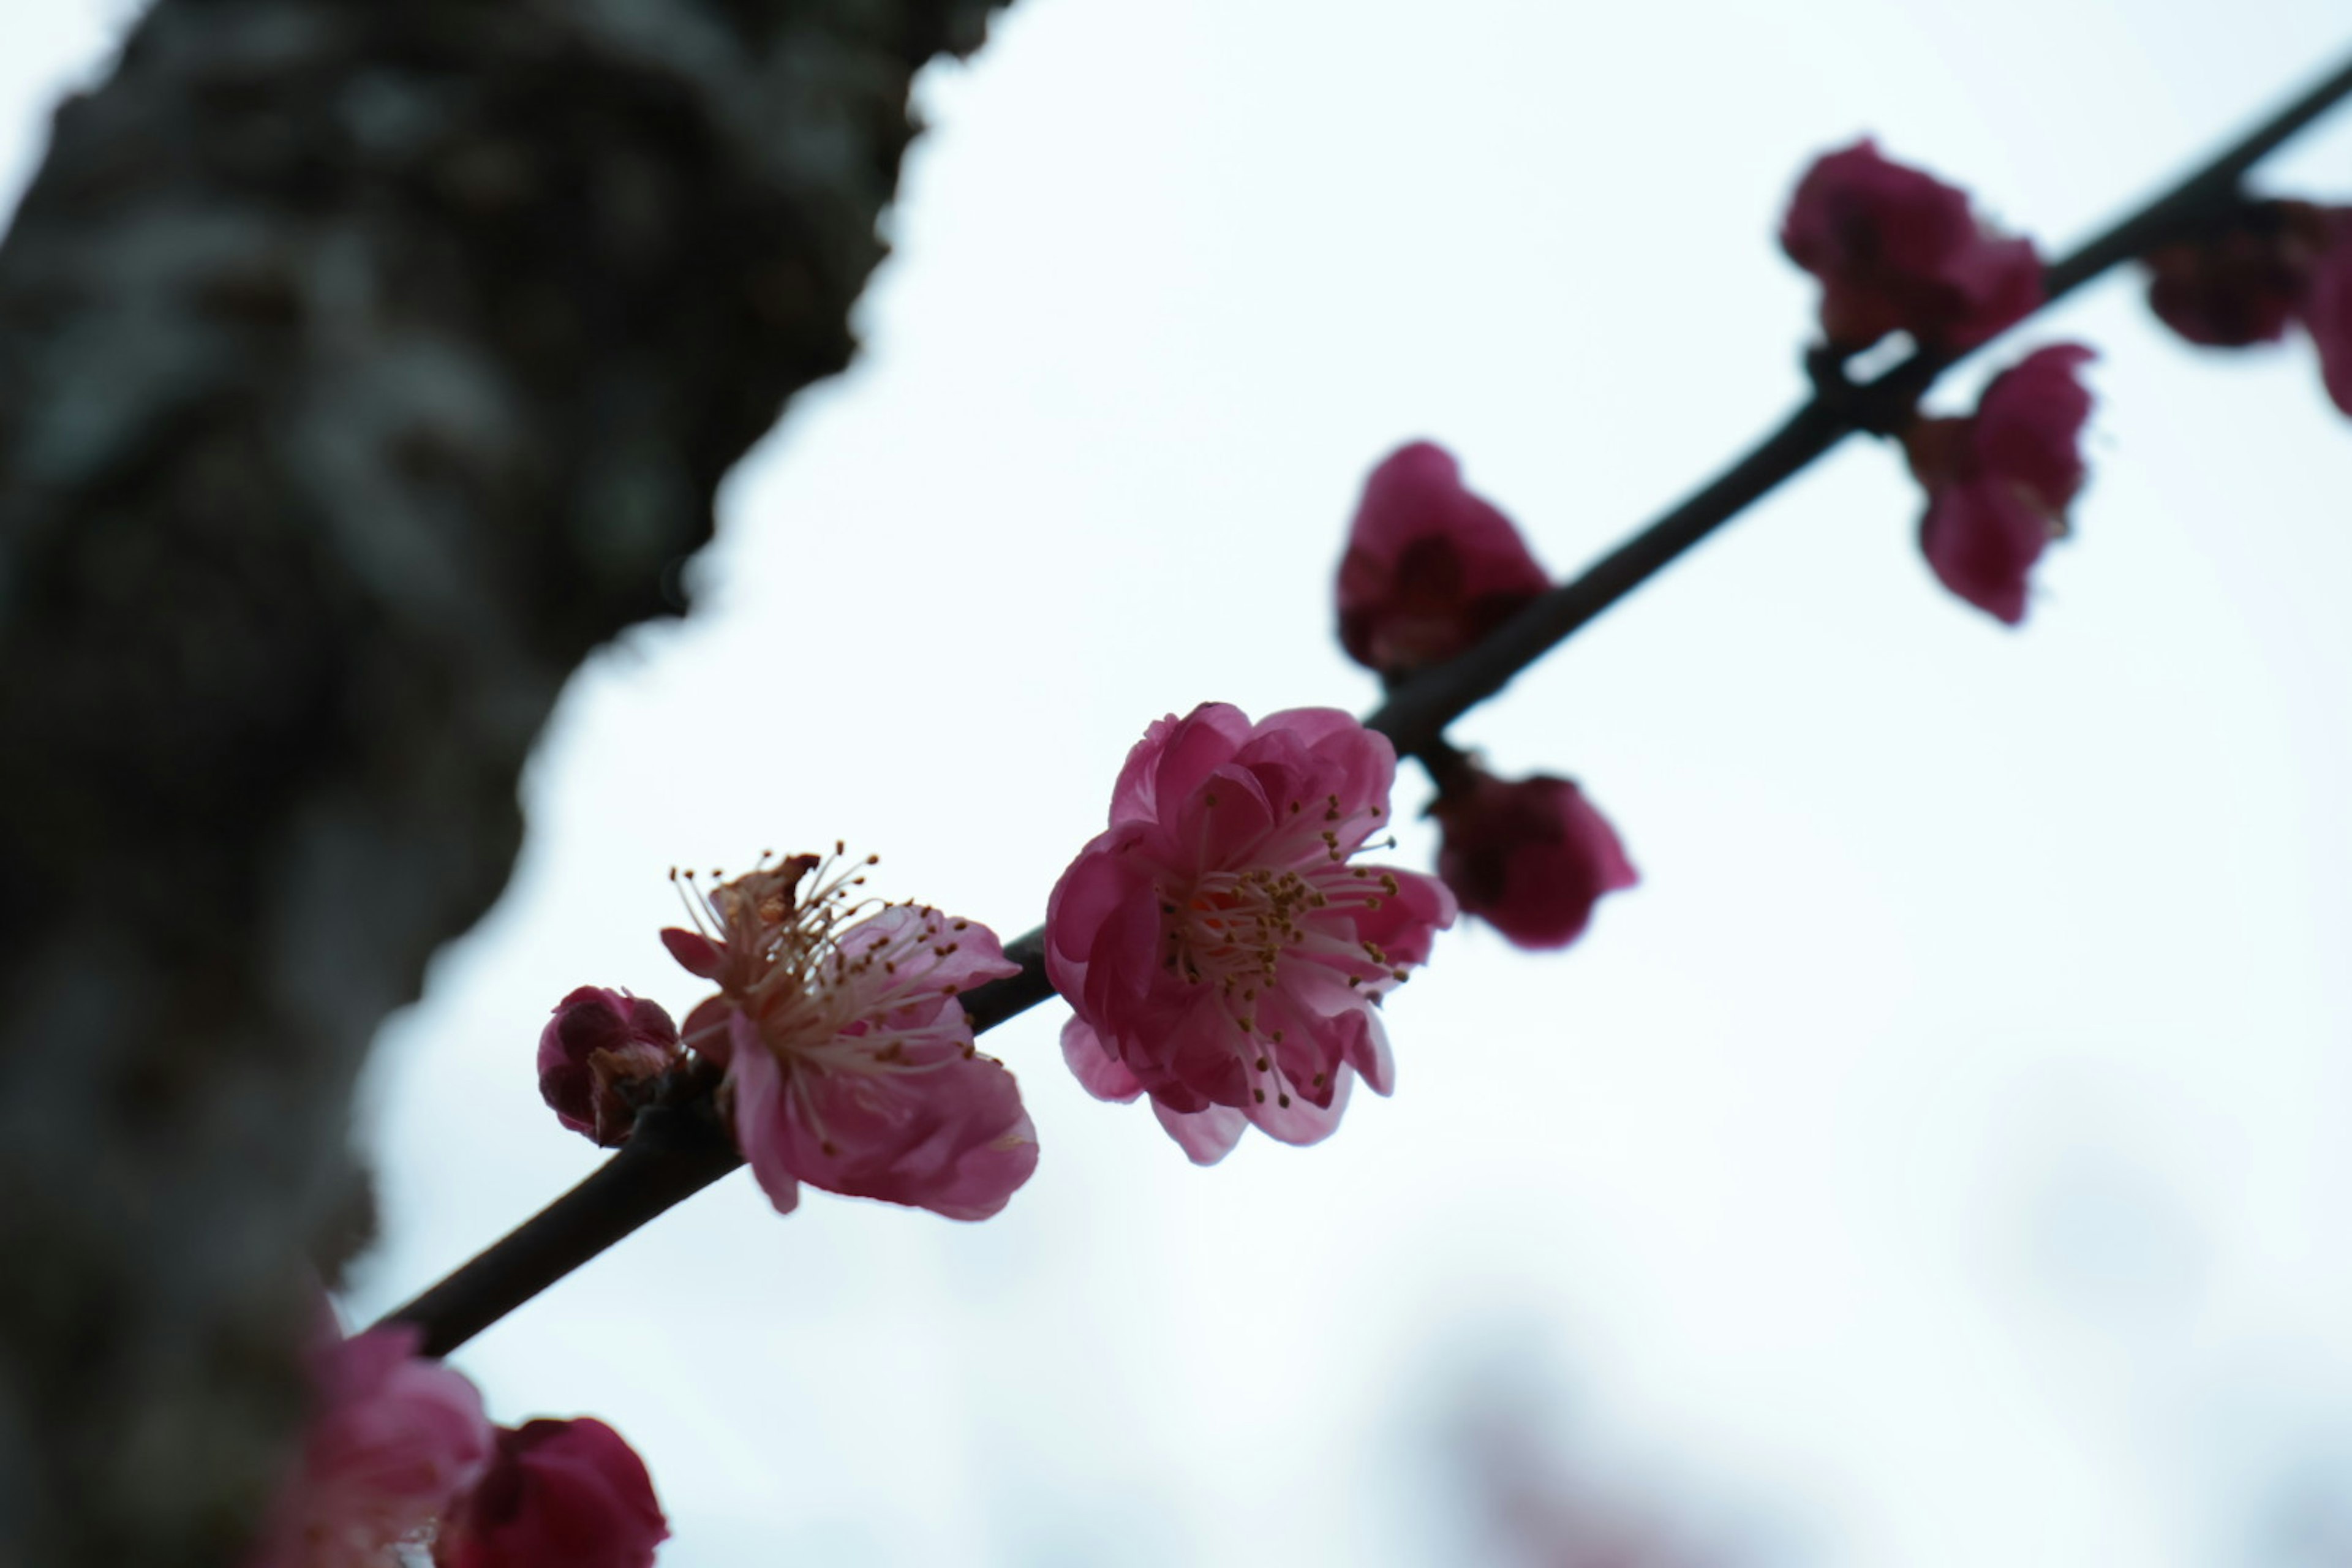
362	367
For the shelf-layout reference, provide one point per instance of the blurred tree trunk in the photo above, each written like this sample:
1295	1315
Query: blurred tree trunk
362	365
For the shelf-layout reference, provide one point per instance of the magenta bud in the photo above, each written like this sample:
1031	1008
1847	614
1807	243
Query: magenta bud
1530	857
598	1047
559	1494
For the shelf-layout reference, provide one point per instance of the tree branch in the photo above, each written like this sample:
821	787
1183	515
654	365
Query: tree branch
627	1192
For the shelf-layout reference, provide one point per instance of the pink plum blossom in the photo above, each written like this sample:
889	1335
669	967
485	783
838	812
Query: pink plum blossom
393	1441
559	1494
1530	857
850	1064
2243	281
600	1046
1999	483
1899	250
1220	947
1430	568
2327	311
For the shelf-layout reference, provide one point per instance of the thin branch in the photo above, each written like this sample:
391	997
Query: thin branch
678	1150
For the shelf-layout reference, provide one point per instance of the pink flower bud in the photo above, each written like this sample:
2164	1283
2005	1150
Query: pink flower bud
1222	946
1530	857
1430	568
393	1440
559	1494
599	1048
1999	482
2243	282
1899	250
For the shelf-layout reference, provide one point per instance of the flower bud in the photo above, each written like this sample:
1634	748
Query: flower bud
1897	250
559	1494
1530	857
2243	282
1430	569
597	1054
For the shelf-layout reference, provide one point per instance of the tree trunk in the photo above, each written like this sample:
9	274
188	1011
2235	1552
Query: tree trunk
362	365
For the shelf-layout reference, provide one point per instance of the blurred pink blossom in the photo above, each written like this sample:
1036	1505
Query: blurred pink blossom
2243	282
600	1044
1221	948
393	1440
1899	250
1530	857
2327	311
850	1062
559	1494
1999	483
1430	567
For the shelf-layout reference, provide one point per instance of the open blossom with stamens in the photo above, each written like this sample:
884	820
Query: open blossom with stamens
1897	250
1431	569
850	1062
1999	483
559	1494
1219	944
393	1439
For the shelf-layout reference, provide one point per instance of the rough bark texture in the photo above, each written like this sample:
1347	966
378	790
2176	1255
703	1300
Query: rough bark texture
362	365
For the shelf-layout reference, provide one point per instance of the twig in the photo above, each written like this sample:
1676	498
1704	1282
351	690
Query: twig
676	1150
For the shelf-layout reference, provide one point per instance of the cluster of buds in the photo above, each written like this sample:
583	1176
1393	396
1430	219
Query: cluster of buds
1897	249
1430	569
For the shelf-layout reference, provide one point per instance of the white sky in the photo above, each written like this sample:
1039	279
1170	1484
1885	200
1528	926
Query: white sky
1942	1160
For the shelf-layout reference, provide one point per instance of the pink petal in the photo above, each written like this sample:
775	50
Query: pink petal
1097	1069
937	1130
960	954
2029	424
1205	1136
698	953
764	1124
1302	1122
1982	539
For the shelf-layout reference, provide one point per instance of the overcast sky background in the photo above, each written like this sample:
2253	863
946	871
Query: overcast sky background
1942	1159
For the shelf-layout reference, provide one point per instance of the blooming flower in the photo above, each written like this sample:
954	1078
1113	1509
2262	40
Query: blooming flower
393	1440
850	1062
559	1494
1899	250
1220	947
2243	282
1530	856
598	1046
2327	312
1430	568
1999	483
